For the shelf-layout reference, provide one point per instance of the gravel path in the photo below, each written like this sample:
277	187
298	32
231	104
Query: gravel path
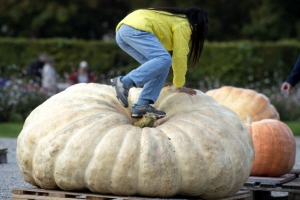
10	176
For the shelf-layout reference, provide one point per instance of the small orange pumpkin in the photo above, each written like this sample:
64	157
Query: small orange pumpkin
275	148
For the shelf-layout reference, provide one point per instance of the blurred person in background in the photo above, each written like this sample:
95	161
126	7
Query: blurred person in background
82	75
35	68
49	77
293	78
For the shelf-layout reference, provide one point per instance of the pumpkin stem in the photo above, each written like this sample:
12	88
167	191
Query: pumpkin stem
249	119
147	120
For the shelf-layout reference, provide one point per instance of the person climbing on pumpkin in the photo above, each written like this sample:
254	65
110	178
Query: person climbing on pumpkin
148	35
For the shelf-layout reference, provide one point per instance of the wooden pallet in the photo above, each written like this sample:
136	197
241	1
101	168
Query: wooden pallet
263	186
41	194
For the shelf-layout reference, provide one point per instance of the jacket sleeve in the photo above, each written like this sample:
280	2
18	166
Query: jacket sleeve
181	38
294	77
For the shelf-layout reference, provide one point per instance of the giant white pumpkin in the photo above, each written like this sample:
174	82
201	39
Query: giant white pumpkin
82	138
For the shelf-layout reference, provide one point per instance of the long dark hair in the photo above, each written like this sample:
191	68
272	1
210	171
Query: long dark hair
199	22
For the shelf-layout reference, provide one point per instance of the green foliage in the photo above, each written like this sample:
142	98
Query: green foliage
10	130
245	64
273	20
17	100
16	54
94	19
85	19
242	63
261	66
294	126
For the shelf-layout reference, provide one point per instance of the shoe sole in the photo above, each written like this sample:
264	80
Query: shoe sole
114	86
140	116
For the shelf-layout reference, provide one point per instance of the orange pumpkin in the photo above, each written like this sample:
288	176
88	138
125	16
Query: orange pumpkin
275	148
245	102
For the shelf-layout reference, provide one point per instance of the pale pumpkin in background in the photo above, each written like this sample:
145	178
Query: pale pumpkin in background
82	138
275	148
245	102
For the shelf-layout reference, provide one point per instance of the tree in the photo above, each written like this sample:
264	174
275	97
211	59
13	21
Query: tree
94	19
273	20
86	19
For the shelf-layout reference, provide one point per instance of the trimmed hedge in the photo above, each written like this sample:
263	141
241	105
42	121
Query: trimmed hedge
262	66
241	63
16	54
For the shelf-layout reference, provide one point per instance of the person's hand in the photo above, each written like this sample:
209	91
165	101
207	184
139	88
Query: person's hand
189	91
286	87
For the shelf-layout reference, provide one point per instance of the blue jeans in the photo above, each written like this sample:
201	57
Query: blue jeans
155	60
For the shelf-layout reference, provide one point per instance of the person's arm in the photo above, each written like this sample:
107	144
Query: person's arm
293	78
181	38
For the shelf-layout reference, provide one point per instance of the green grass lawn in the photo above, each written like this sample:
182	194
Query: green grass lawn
294	126
12	130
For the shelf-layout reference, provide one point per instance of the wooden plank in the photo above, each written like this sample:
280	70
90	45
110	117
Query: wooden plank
37	193
272	180
295	171
31	197
58	192
268	185
3	150
294	196
276	189
294	184
251	184
242	194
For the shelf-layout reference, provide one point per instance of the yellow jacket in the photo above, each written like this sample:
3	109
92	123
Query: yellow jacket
172	31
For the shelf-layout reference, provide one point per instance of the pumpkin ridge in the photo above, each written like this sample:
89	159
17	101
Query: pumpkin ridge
284	149
78	134
28	130
175	154
177	146
165	102
76	125
104	130
120	159
275	143
229	90
98	170
207	129
262	159
96	146
156	161
292	147
261	107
